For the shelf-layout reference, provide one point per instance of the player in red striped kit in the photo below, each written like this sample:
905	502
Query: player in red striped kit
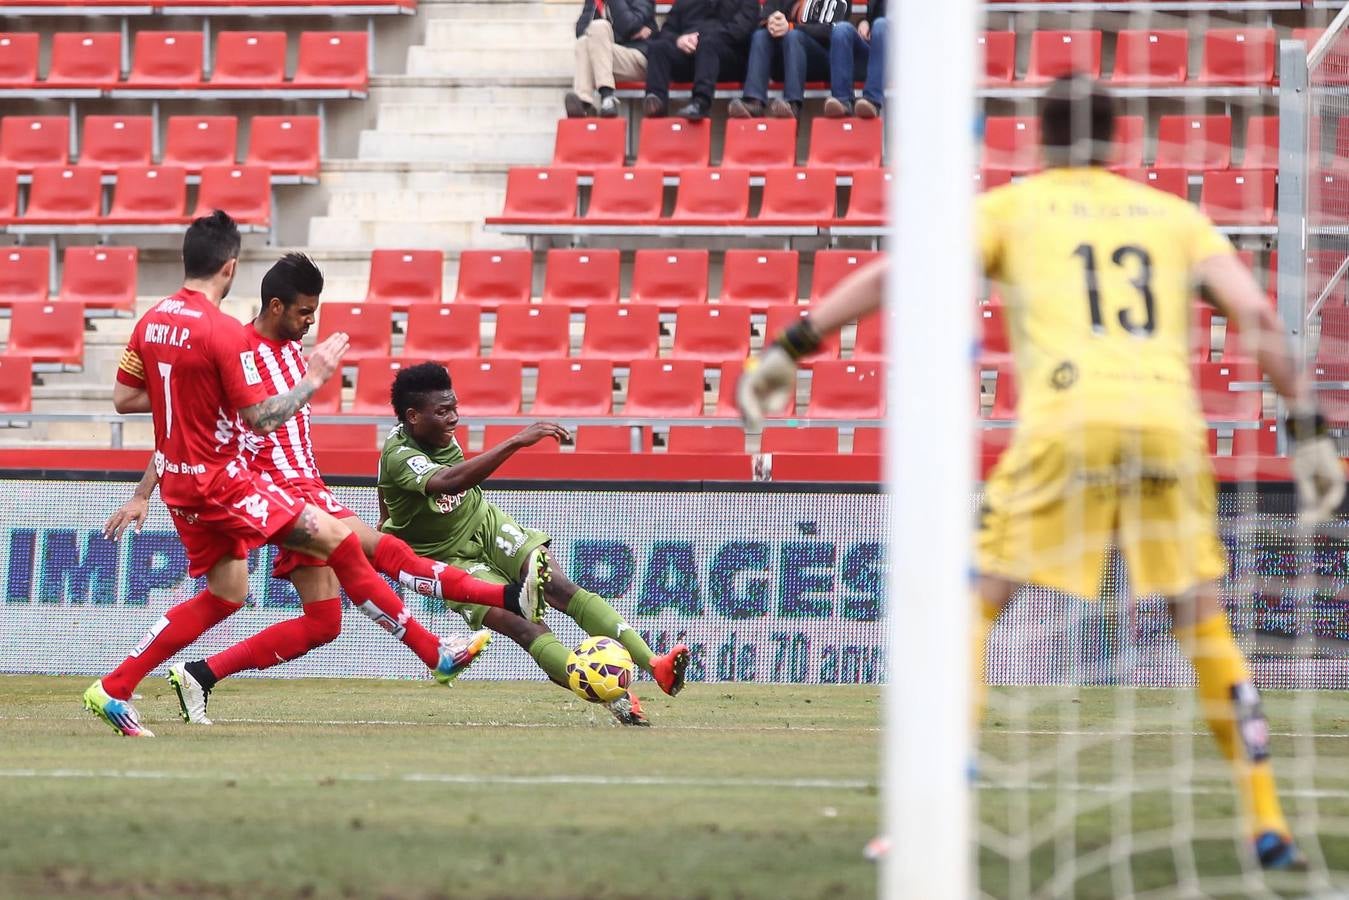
290	298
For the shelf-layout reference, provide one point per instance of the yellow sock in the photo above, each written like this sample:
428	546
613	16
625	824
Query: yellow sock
988	614
1228	699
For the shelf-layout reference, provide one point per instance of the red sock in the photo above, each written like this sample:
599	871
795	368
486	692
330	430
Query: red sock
395	558
372	595
176	629
282	642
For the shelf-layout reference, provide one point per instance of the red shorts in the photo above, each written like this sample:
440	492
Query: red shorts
241	511
316	493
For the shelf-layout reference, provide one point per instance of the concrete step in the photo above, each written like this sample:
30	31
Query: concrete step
538	61
424	177
394	206
534	147
453	9
458	118
516	35
438	92
343	232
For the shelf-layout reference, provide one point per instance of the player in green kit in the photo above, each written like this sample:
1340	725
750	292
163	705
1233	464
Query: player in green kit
430	496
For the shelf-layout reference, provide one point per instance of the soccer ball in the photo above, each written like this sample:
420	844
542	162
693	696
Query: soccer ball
599	670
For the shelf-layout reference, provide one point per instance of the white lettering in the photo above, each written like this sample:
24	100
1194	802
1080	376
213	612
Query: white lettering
255	506
177	308
173	335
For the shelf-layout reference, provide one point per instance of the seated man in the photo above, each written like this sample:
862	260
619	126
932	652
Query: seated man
855	54
793	40
611	38
701	40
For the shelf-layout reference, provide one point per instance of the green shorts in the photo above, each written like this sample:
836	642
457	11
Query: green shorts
494	553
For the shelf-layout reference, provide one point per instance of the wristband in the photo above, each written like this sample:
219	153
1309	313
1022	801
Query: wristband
799	340
1305	426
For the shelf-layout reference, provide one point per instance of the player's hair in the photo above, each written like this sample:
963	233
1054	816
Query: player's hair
1077	123
289	277
209	243
413	383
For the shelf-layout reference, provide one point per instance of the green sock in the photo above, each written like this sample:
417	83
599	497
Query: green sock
598	619
551	656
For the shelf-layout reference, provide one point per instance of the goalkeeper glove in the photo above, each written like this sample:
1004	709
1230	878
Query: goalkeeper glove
1317	470
770	379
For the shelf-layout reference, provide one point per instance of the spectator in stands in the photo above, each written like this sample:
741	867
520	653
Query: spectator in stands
702	40
792	41
857	53
611	39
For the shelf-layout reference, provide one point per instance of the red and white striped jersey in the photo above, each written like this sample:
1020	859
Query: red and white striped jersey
287	453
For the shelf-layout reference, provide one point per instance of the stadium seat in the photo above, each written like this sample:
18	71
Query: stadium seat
64	195
670	278
531	331
1237	56
1151	57
843	389
759	144
673	145
538	196
992	331
578	278
1012	144
489	278
486	387
759	278
610	438
780	318
574	387
16	383
85	59
1262	441
664	388
24	275
866	440
621	332
1194	143
711	334
100	278
166	59
589	144
1004	393
29	141
250	59
711	197
1129	138
369	325
344	437
625	196
51	333
1173	181
832	266
1331	348
492	435
993	442
285	145
845	144
332	59
869	342
405	277
9	194
1056	53
1334	405
245	192
374	377
443	330
1218	401
111	142
988	179
1329	201
868	197
1201	333
150	194
1234	348
1262	142
999	52
705	439
18	59
779	439
1239	197
194	142
327	400
806	196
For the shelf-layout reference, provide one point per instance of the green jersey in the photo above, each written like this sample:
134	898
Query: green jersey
439	526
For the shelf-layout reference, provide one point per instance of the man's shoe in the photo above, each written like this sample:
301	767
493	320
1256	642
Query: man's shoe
576	107
192	696
653	107
610	107
628	710
865	109
1277	852
538	574
693	111
120	715
668	669
744	108
456	654
835	108
781	109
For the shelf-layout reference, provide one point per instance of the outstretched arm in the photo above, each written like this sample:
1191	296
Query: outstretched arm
473	472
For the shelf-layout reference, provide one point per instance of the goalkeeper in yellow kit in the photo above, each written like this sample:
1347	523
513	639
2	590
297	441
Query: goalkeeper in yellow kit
1111	445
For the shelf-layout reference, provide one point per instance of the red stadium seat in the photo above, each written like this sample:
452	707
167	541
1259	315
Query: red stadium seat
9	194
531	331
195	142
111	142
489	278
1194	142
1331	349
610	438
714	440
1334	404
777	439
486	387
1262	142
832	266
674	144
759	278
332	59
24	275
1151	57
18	59
1173	181
1329	201
30	141
85	59
621	332
1239	197
1238	56
988	179
64	195
250	59
1012	144
1234	349
1056	53
1128	141
579	278
992	332
1004	394
999	52
574	387
344	437
50	333
443	330
374	377
759	144
100	278
245	192
327	400
711	334
711	197
866	440
780	318
16	383
286	145
843	389
152	194
589	144
492	435
1201	333
845	144
166	59
670	278
665	388
1262	441
1218	401
543	196
407	277
626	196
807	196
369	325
869	344
868	198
